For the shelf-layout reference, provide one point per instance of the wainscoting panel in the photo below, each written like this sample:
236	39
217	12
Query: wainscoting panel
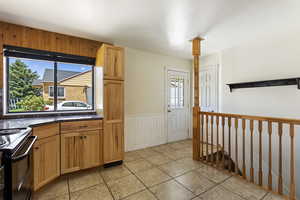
144	130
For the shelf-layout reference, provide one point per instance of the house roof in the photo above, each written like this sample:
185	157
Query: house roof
61	75
37	82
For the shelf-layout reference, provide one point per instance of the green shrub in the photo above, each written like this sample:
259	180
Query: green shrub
33	103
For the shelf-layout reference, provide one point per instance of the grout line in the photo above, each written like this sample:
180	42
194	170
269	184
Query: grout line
105	183
147	188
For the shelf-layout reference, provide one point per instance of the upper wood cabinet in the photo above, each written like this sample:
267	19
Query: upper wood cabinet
112	60
46	161
113	101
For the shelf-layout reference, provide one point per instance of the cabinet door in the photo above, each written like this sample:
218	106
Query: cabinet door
113	101
46	161
113	63
90	149
70	152
113	142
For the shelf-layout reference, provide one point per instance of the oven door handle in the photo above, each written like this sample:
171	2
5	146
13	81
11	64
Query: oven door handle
19	157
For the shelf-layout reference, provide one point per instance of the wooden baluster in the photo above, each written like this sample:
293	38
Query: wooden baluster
212	139
270	155
292	164
207	138
260	173
251	153
244	162
229	144
217	127
202	137
280	158
236	146
223	142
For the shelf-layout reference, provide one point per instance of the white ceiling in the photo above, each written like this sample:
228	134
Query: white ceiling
163	26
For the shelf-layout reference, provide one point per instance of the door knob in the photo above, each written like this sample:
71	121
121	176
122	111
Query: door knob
169	111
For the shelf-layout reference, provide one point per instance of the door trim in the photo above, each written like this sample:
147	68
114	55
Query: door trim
166	100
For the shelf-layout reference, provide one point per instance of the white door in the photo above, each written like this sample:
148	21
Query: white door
177	105
209	88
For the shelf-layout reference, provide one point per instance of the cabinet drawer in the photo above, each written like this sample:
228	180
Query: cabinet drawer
46	130
66	127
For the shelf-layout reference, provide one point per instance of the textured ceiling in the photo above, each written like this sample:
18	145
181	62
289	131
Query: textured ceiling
163	26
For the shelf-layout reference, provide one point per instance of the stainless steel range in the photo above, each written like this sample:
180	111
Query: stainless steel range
16	164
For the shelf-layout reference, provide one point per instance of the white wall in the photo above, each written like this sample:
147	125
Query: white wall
144	96
274	57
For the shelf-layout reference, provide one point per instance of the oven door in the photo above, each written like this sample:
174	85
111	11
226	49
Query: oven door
21	173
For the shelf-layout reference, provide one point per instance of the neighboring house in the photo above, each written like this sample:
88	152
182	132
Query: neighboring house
71	85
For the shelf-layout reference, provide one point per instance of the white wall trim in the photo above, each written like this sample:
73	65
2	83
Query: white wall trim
144	130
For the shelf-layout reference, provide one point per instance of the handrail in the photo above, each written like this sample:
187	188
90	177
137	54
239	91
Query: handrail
214	125
254	117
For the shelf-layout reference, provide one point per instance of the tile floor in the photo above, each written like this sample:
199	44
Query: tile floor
165	172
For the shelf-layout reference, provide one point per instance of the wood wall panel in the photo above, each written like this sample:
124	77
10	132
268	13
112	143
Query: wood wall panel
17	35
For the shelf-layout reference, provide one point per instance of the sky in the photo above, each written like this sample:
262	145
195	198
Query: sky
40	65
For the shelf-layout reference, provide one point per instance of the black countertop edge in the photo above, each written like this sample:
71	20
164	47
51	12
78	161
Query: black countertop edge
37	121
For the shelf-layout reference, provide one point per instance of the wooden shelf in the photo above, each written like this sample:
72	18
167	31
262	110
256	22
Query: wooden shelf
267	83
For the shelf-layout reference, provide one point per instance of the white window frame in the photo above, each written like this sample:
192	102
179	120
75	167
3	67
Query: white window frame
61	97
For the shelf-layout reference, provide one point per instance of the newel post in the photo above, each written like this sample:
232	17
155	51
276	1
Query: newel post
196	109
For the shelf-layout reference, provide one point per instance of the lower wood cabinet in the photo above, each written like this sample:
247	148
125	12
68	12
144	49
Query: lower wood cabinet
46	161
113	142
81	150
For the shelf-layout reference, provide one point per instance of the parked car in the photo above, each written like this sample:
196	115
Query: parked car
70	105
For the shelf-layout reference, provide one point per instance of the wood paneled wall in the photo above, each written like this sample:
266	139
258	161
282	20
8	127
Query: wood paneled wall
17	35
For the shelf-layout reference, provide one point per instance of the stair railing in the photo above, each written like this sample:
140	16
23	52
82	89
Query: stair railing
223	136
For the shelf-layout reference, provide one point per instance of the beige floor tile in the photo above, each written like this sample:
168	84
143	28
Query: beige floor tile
174	168
195	183
152	176
98	192
159	159
84	179
178	145
272	196
125	186
163	148
171	190
219	193
58	188
131	156
144	195
113	173
213	174
139	165
148	152
178	154
190	164
244	188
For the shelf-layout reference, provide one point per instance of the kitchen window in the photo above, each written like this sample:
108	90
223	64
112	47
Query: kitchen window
42	82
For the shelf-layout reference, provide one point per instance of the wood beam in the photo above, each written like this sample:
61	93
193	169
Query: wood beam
196	50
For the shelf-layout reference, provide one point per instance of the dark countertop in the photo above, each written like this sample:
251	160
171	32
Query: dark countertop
35	121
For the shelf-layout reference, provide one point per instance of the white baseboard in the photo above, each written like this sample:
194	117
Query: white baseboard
144	130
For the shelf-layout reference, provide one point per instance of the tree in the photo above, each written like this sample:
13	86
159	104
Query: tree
20	80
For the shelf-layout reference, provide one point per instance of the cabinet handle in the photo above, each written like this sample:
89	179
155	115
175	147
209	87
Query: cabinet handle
84	126
84	137
81	137
36	148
